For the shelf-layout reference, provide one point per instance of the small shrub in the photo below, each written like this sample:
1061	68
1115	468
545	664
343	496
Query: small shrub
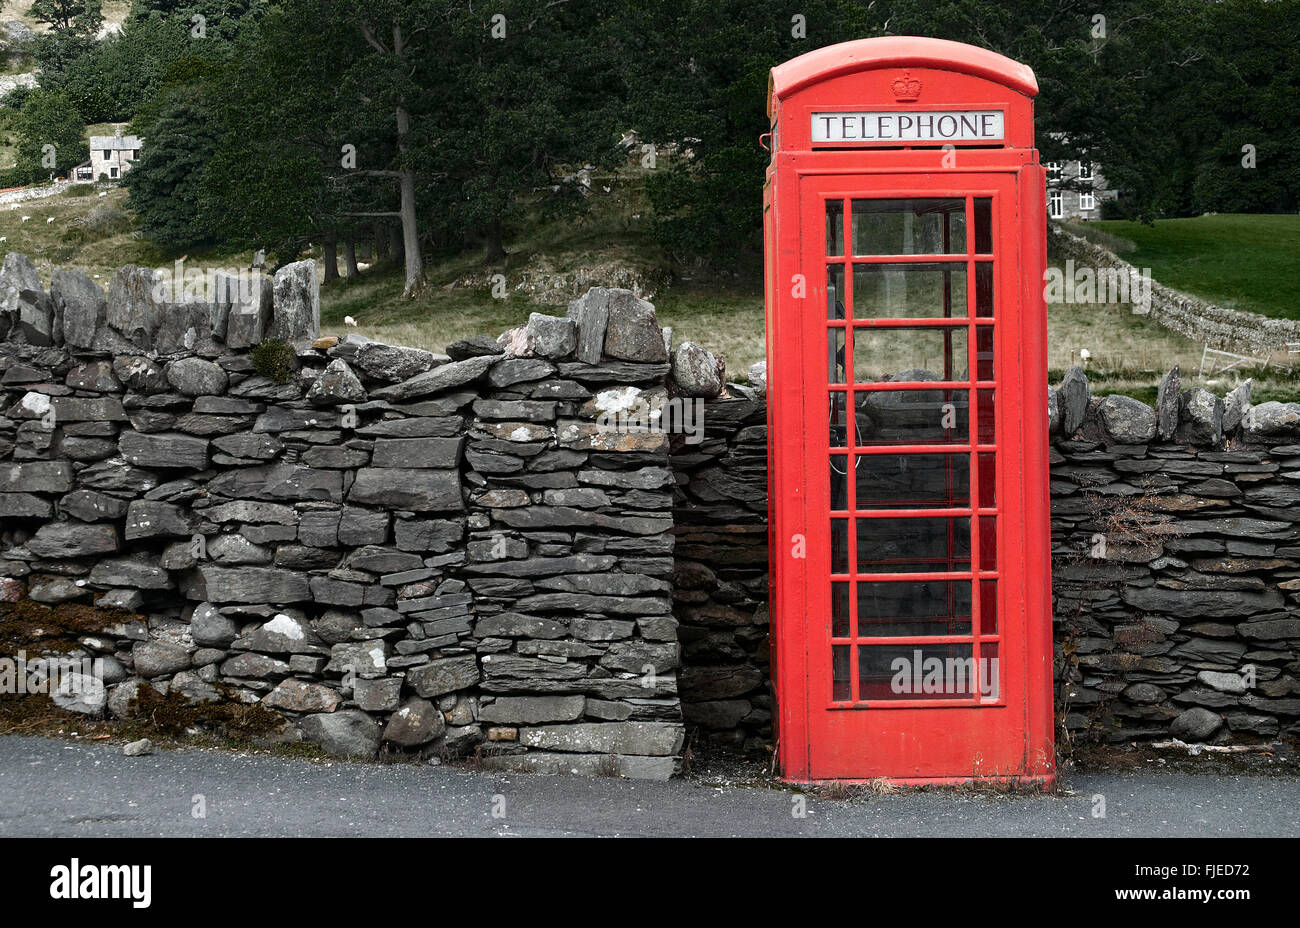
275	360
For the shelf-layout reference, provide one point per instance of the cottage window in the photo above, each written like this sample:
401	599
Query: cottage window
1055	204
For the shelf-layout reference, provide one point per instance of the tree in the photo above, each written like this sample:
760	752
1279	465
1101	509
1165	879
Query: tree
82	17
50	136
163	183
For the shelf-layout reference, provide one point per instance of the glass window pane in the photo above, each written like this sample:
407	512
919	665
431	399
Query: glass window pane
913	481
840	691
987	417
916	671
834	227
914	545
839	421
909	227
988	543
988	479
835	355
918	417
988	608
839	546
983	226
839	482
840	609
909	354
898	608
990	677
983	289
984	352
834	291
909	291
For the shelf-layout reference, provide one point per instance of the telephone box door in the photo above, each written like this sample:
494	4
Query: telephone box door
913	446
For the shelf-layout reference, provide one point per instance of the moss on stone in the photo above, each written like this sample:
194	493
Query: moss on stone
275	360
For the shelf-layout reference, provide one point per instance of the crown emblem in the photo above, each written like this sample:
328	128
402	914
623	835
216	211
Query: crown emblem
906	88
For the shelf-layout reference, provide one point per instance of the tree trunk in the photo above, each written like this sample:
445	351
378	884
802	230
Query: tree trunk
331	249
380	248
350	254
410	234
496	246
395	242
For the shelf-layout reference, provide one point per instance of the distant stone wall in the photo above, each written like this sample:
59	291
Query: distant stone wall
1176	567
390	549
1197	319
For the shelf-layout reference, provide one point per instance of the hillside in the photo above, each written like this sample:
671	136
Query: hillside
1245	262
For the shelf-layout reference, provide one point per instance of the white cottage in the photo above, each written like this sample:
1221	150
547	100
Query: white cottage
111	156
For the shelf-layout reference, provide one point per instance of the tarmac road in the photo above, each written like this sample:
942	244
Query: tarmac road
57	788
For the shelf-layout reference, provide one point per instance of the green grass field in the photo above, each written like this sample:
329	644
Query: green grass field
1245	262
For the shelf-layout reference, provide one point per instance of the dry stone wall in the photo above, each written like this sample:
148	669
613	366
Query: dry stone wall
550	549
387	548
1176	567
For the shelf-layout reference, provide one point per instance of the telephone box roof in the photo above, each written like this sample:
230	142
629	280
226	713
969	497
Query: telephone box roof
899	52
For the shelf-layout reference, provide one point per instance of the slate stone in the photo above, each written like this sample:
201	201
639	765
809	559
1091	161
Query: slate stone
137	572
417	722
552	336
300	696
590	313
164	450
251	315
381	695
475	346
26	506
81	304
1195	725
1235	405
1271	420
417	452
209	627
408	489
438	380
650	738
1200	417
247	585
336	385
392	364
73	539
511	371
1127	420
159	658
1167	404
345	733
695	371
444	676
135	305
1073	396
533	710
96	376
252	445
296	302
148	519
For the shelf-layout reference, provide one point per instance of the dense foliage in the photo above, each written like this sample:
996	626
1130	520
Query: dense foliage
427	124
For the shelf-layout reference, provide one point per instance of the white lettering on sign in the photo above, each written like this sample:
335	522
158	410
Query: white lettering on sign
913	126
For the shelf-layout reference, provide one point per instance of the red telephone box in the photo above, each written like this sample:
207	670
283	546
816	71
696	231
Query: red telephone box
907	416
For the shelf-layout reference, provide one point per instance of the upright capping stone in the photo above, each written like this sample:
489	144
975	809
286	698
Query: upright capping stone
81	303
296	302
1126	420
1167	403
590	313
250	314
695	370
135	308
25	309
1201	417
1235	405
632	332
1073	395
